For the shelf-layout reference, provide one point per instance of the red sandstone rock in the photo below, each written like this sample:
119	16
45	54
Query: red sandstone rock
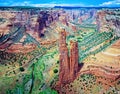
64	59
68	66
19	48
73	59
116	44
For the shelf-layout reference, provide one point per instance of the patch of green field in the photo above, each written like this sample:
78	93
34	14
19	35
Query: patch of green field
42	73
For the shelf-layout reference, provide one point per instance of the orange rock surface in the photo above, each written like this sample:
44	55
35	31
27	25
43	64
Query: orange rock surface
19	48
116	44
68	65
64	58
73	59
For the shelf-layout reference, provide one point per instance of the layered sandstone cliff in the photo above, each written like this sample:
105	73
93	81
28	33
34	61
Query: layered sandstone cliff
108	20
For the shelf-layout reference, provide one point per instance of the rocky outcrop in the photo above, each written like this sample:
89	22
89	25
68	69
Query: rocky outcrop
73	59
108	20
44	20
68	65
19	48
64	58
101	22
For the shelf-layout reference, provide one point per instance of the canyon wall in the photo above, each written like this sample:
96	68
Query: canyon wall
108	20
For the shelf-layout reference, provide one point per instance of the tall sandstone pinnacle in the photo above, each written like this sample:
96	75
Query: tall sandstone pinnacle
64	58
73	59
68	65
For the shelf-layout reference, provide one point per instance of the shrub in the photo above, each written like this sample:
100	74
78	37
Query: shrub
22	69
58	62
55	70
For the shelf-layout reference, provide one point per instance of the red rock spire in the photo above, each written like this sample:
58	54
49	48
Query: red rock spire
64	58
73	59
68	65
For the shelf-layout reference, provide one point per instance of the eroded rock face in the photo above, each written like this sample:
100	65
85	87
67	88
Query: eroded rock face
19	48
68	65
64	58
101	21
44	20
73	59
108	20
